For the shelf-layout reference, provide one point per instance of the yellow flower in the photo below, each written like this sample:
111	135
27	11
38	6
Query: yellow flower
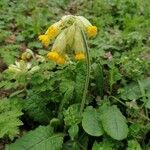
80	56
52	31
44	39
91	31
53	56
59	59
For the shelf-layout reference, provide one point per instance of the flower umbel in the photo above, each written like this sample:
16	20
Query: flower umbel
69	38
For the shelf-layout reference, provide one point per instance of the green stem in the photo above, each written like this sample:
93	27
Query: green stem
118	101
142	115
87	72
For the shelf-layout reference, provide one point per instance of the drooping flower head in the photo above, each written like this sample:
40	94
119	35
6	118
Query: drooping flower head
69	38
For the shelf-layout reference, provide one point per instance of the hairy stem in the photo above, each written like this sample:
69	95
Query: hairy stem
140	114
87	72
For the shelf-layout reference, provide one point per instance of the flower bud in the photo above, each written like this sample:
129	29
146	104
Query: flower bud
28	54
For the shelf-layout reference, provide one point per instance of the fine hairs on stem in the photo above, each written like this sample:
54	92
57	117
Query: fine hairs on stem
88	68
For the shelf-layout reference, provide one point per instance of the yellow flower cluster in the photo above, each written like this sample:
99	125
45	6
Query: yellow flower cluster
68	34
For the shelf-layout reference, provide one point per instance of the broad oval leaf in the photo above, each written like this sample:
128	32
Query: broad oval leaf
114	123
42	138
90	122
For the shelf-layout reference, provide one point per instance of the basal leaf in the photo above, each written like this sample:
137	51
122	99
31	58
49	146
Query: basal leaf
42	138
10	111
36	108
73	131
114	123
132	91
133	145
105	145
91	122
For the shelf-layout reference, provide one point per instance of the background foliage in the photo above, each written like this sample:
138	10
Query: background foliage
41	109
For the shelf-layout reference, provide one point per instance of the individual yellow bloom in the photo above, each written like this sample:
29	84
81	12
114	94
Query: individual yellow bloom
44	39
59	59
91	31
60	43
80	56
78	45
52	31
53	56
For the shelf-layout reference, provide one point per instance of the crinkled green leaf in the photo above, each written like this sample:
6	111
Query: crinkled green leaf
73	131
35	105
133	145
72	115
91	122
10	111
42	138
132	91
114	123
106	145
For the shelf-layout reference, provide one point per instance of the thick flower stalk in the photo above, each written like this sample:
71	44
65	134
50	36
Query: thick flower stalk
68	38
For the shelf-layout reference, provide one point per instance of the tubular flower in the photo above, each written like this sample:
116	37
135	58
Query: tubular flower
58	49
60	60
79	45
52	31
91	31
50	34
56	57
80	56
87	26
53	56
44	39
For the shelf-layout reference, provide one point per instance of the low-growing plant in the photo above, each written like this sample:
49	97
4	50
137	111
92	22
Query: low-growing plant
90	91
